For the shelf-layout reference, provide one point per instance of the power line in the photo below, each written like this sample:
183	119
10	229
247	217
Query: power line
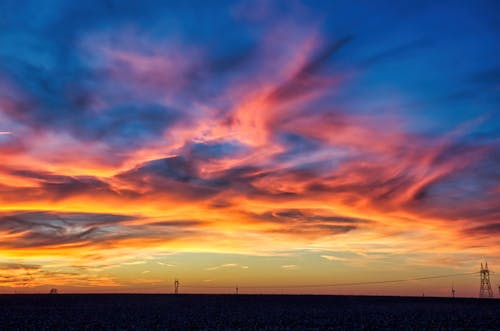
341	284
155	287
316	285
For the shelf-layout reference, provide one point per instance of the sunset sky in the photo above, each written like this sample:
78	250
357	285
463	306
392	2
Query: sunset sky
262	144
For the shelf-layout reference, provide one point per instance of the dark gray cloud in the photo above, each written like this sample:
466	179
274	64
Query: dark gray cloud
310	222
40	228
176	223
490	77
469	191
206	151
51	229
309	216
303	81
18	266
400	51
296	145
57	187
179	176
492	229
175	168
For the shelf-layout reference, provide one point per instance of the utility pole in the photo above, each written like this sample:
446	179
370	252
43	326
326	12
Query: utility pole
236	289
452	291
176	286
485	290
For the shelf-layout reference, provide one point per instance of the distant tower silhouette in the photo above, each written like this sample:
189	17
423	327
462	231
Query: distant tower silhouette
485	290
176	286
237	289
452	291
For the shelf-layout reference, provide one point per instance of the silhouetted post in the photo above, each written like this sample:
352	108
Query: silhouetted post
236	290
176	286
485	290
453	291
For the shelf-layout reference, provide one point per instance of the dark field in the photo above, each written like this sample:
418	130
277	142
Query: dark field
244	312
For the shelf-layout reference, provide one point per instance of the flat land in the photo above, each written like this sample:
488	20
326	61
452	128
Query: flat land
244	312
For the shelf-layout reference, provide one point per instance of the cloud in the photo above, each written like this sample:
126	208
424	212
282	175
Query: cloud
398	52
134	262
17	266
183	176
333	258
289	267
310	222
176	223
39	229
489	77
307	215
226	265
50	186
206	151
303	81
486	230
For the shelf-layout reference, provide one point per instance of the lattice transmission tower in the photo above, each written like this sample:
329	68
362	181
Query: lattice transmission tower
176	286
485	290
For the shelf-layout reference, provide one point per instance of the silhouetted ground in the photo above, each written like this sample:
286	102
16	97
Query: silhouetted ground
244	312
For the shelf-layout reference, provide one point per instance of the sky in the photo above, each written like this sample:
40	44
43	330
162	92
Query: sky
267	145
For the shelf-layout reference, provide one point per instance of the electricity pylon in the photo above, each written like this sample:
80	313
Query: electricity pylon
485	290
176	286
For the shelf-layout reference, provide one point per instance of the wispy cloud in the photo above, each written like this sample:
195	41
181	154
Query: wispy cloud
290	267
333	258
226	265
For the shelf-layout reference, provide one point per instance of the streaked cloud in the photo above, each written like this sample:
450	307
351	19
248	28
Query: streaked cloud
290	267
333	258
226	265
